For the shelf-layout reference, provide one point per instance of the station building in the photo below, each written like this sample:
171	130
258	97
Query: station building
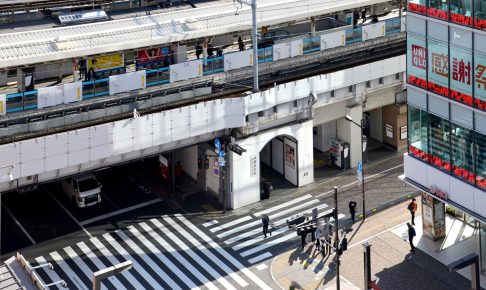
446	89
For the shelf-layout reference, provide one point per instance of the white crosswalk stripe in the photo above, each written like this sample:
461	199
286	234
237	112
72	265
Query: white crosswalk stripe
245	234
167	253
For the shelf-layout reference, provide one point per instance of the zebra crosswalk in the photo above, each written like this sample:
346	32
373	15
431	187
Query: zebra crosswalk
173	252
170	252
244	235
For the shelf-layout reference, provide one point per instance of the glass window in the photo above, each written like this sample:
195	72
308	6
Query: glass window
480	81
480	14
461	12
461	75
417	6
439	9
462	151
439	136
416	60
480	159
438	67
417	132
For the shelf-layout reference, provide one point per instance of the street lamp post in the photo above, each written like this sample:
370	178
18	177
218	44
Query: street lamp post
113	270
348	118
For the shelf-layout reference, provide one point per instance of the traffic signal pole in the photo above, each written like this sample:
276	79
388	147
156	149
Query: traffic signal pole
336	238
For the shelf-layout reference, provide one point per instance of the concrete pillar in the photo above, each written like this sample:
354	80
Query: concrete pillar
350	132
313	26
3	78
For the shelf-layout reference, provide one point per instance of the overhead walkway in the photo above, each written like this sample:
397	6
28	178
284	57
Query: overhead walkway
24	48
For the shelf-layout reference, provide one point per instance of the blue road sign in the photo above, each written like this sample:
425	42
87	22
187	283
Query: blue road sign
360	172
217	146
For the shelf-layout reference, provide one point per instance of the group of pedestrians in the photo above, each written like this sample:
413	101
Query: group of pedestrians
323	239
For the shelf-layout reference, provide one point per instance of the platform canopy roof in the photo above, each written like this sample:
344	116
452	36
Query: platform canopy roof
37	46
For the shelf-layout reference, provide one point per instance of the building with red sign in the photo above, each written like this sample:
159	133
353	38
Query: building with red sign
446	90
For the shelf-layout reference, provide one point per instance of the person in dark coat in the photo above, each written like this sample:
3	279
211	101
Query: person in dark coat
411	235
266	222
199	50
241	44
303	234
352	209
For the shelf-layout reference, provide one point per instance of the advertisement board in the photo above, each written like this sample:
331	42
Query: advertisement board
461	75
103	62
153	57
438	67
416	60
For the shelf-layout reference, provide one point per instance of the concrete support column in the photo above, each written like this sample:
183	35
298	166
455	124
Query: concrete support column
351	133
313	26
180	53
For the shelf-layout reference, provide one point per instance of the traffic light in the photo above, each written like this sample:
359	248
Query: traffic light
236	148
199	163
206	163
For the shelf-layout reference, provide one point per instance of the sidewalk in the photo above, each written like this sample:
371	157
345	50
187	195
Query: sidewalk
392	263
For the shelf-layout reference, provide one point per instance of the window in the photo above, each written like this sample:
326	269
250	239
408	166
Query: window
480	159
462	153
438	67
480	81
417	132
417	6
480	14
416	60
461	12
439	136
439	9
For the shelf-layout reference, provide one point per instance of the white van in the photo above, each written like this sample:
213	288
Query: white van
83	190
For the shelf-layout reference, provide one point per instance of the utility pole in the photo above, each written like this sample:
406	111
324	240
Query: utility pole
336	238
254	36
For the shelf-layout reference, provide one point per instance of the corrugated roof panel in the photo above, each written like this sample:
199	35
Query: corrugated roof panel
133	31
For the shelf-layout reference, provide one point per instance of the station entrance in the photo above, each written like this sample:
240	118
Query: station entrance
278	166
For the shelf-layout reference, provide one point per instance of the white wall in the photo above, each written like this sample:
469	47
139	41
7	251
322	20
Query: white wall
350	133
245	173
326	131
212	180
188	158
376	130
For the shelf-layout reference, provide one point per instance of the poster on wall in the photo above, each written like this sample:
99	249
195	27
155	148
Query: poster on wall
216	166
389	131
438	67
153	57
427	215
289	156
439	219
416	60
461	75
403	132
3	105
253	166
104	62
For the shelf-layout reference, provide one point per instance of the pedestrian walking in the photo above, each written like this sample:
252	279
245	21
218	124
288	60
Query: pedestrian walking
412	207
199	50
363	15
303	233
318	238
411	234
352	209
266	222
219	52
241	44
